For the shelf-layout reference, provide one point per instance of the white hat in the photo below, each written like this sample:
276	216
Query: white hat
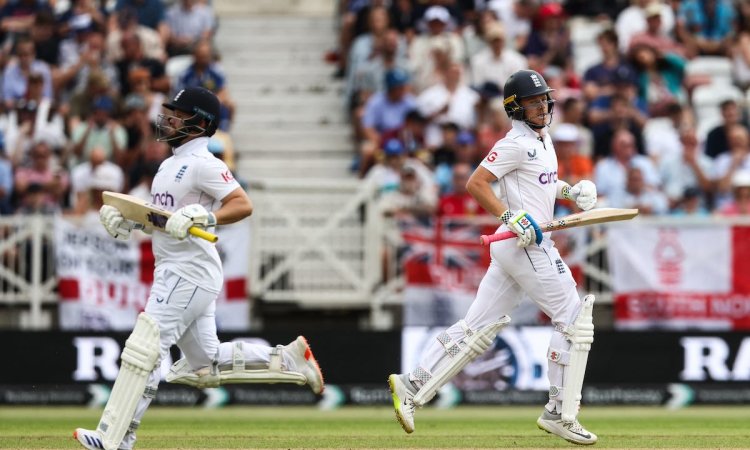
437	13
565	132
106	177
741	178
652	9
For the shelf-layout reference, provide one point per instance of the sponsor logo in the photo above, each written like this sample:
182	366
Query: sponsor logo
711	358
180	174
227	176
532	154
492	157
548	177
162	199
534	79
157	220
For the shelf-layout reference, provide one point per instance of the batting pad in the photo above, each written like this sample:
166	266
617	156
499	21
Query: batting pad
138	361
581	338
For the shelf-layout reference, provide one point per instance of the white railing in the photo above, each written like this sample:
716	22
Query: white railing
320	246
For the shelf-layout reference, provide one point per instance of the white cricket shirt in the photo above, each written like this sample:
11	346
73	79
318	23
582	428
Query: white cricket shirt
526	166
191	175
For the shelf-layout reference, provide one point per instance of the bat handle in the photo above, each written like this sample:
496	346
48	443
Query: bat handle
488	239
203	234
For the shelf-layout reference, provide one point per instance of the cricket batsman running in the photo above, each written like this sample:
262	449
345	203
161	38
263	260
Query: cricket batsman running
200	191
525	164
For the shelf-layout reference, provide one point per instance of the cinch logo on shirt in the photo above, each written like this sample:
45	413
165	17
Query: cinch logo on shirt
548	177
162	199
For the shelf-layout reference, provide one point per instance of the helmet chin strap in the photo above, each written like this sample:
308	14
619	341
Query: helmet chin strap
537	126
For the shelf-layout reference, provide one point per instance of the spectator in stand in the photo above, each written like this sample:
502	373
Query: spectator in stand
660	78
739	204
458	201
6	181
623	114
571	165
496	63
740	47
80	56
127	23
549	40
132	56
370	75
404	16
693	203
16	17
663	141
449	101
206	72
632	21
495	125
438	35
83	12
139	79
516	16
189	22
45	37
150	14
411	135
737	159
43	171
83	175
706	27
80	105
687	169
18	70
433	72
365	45
638	194
654	35
410	200
571	112
384	112
386	174
138	128
599	79
610	173
475	34
717	140
100	130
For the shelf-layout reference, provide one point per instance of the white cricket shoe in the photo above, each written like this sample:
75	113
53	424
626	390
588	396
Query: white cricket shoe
90	439
570	431
403	401
306	364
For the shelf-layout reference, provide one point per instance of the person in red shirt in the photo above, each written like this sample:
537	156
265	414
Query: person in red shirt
458	202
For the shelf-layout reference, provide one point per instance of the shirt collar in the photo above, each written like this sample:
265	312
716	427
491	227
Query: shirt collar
521	126
190	146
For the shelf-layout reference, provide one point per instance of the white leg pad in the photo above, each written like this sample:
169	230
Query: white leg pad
238	373
138	361
581	336
475	343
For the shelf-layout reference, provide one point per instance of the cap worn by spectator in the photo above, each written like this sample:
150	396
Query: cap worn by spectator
465	138
104	103
550	10
565	132
104	178
653	9
396	78
393	147
489	90
741	179
439	13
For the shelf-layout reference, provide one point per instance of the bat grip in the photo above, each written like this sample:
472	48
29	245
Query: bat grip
203	234
488	239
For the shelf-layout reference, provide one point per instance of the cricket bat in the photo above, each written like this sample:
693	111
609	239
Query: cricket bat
148	214
580	219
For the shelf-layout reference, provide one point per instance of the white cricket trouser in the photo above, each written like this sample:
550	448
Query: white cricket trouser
185	314
535	270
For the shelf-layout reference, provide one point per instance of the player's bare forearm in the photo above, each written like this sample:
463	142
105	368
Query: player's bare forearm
234	207
480	187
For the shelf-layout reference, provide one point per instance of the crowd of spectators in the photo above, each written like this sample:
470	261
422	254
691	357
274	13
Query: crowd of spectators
82	86
424	84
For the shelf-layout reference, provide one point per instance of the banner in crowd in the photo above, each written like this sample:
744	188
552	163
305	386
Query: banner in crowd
443	264
104	283
680	277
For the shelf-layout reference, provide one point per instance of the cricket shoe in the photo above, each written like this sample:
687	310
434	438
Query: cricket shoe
91	440
570	431
306	364
403	400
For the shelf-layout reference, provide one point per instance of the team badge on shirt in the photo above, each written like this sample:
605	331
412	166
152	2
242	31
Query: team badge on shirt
180	174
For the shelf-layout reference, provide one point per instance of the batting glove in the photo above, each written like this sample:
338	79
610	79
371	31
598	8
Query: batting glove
525	227
116	225
584	193
186	217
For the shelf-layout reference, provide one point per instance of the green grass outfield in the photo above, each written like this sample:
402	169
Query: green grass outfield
375	427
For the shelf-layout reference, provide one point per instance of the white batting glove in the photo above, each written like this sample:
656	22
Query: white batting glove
525	227
584	193
188	216
116	225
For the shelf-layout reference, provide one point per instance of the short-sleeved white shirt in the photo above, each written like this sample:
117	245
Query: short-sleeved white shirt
526	166
191	175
